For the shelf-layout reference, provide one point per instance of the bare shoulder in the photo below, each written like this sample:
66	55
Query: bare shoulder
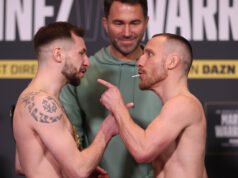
185	106
40	107
184	100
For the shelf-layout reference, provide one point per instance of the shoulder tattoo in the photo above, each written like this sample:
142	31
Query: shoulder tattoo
46	113
49	104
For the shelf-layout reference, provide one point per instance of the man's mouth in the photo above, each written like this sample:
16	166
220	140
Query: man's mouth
140	73
83	70
127	40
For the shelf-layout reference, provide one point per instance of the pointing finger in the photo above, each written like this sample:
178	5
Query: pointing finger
129	105
105	83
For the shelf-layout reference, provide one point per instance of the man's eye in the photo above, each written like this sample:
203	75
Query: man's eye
82	53
150	54
117	23
135	22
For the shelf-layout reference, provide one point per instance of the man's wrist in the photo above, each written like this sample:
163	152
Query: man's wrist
119	108
105	133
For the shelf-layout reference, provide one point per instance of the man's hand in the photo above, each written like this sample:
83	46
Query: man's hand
99	173
109	125
111	98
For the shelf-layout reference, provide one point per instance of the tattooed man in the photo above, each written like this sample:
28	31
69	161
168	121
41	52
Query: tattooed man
45	142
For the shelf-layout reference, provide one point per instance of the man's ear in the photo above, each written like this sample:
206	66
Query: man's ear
58	54
105	24
173	61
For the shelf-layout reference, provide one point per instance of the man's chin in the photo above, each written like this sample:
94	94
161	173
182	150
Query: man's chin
75	82
143	87
127	50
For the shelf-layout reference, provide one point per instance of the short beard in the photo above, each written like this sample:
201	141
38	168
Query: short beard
70	72
117	47
144	86
148	85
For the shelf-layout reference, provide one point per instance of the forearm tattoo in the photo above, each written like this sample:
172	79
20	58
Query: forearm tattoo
44	114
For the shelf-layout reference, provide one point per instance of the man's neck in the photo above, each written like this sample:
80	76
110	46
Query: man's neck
47	84
170	88
131	57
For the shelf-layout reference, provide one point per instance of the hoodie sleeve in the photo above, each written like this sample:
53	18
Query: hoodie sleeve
69	101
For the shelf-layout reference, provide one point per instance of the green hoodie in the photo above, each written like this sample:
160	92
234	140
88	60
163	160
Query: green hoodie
86	113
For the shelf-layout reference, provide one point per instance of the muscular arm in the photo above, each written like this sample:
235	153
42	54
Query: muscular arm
68	98
146	145
49	122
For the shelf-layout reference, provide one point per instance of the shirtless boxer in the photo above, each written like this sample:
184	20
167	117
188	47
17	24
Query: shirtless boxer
175	140
45	140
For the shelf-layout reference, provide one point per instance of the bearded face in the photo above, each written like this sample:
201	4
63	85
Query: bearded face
119	42
71	73
125	26
152	74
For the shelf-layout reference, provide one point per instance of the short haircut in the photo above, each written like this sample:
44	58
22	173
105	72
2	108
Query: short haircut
143	3
55	31
184	43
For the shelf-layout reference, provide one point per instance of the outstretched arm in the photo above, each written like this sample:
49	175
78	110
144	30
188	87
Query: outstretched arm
48	120
145	145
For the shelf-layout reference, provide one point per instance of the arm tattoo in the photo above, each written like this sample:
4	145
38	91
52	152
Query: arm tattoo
49	106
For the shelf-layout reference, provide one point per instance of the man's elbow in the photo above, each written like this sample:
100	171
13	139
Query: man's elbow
19	171
18	168
143	157
78	172
84	174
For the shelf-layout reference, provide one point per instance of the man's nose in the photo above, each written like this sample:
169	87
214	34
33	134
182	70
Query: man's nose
141	61
127	30
86	61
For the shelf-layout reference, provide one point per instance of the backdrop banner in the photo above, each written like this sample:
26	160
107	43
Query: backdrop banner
210	25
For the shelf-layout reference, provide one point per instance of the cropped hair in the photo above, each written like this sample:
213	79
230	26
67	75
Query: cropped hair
143	3
185	44
54	31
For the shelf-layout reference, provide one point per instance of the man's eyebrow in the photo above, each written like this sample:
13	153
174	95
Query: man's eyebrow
136	20
122	21
117	20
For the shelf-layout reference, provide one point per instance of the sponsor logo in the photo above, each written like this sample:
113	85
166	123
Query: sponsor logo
18	69
201	69
214	69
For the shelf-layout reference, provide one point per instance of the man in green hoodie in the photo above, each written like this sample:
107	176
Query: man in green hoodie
125	22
